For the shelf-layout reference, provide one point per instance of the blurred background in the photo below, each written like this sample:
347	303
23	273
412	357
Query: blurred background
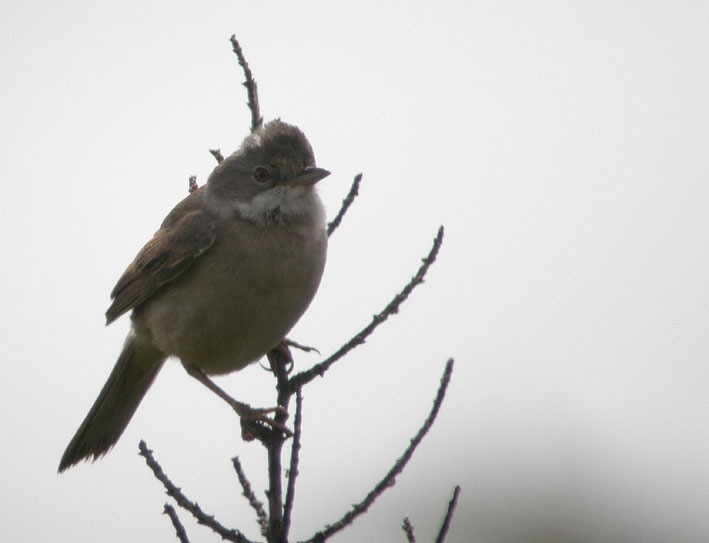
562	144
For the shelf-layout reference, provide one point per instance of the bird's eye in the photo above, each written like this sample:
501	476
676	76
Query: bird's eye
262	174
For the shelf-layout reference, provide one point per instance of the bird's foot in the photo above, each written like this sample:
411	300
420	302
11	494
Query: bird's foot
255	423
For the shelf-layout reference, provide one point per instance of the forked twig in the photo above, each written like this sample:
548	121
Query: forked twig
392	307
346	203
169	510
389	479
250	84
176	493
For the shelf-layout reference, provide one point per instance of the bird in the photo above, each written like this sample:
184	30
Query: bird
230	271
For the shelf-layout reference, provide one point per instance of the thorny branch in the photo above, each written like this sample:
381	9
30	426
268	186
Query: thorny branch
250	84
392	307
389	479
169	510
275	524
176	493
441	537
261	516
346	203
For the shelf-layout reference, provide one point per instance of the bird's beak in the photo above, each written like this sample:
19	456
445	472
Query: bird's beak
309	176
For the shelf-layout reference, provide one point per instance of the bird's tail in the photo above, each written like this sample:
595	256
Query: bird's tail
130	379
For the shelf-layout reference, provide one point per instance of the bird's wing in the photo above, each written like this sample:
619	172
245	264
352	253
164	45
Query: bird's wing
186	234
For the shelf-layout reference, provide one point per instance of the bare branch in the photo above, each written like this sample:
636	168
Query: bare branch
409	530
449	515
275	519
251	497
193	184
346	203
306	376
217	154
294	459
390	478
176	493
179	528
279	358
250	84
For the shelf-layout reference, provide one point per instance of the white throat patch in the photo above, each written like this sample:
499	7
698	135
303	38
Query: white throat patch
275	205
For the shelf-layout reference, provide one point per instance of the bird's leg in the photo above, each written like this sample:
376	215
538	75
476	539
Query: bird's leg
245	411
282	352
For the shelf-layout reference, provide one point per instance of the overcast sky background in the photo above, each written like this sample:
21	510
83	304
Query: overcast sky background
562	144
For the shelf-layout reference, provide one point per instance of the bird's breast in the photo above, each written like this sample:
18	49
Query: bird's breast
241	298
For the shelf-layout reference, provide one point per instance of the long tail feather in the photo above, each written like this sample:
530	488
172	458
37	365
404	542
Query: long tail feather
130	379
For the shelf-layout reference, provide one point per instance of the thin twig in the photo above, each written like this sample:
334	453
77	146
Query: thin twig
346	203
262	518
390	478
217	154
409	530
294	460
306	376
169	510
176	493
449	516
250	84
193	186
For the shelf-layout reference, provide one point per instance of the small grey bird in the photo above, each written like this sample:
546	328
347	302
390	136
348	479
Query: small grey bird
231	270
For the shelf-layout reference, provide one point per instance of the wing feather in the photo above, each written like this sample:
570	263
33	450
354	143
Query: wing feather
185	235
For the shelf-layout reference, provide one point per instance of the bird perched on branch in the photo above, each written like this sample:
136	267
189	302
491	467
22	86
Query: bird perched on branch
230	271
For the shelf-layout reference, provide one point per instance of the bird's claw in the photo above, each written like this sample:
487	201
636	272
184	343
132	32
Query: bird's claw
256	424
